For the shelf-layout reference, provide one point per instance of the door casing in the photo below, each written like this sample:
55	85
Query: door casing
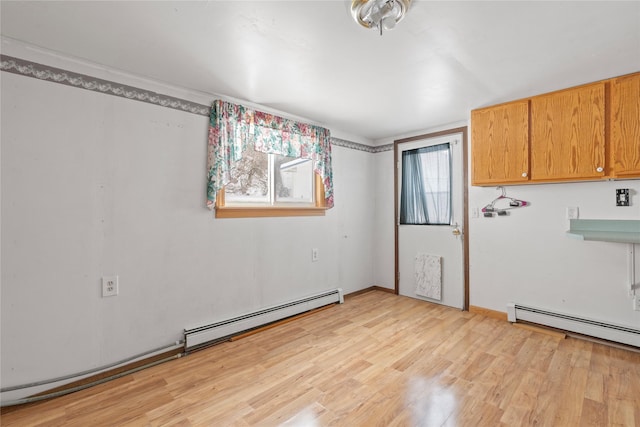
465	209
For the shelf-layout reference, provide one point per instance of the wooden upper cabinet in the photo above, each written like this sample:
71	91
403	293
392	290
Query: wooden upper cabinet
625	126
500	144
568	134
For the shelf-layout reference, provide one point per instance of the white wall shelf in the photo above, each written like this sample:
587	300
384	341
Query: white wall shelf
605	230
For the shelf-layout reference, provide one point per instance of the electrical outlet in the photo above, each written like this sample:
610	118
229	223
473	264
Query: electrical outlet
622	197
314	254
636	301
109	286
572	212
475	212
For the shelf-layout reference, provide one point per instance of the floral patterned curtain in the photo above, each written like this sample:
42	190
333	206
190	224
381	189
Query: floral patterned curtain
233	128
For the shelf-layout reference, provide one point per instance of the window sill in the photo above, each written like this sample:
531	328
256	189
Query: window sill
260	212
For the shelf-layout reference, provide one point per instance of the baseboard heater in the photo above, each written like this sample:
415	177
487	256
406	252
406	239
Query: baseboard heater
566	322
202	336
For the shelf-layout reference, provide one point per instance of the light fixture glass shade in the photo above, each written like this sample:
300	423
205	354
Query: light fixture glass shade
380	14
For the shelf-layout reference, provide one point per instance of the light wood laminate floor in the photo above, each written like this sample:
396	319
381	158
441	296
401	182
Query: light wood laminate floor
377	360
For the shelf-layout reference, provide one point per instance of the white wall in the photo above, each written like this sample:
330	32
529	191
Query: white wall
384	269
527	258
97	185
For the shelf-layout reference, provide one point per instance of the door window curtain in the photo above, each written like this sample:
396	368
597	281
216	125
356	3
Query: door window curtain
233	128
425	197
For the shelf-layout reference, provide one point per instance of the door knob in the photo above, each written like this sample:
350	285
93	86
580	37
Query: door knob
456	231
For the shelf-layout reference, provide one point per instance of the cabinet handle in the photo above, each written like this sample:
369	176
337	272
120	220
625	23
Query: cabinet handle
524	174
599	169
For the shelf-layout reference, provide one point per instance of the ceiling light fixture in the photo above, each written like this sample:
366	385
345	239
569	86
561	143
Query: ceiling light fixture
380	14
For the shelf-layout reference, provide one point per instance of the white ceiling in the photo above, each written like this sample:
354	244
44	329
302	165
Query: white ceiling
310	59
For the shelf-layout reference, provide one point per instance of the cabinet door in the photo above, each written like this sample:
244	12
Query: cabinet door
567	134
625	126
500	144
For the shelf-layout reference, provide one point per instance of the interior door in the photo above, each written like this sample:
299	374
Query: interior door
422	250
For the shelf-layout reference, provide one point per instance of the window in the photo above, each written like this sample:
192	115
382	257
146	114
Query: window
425	197
264	165
293	180
261	179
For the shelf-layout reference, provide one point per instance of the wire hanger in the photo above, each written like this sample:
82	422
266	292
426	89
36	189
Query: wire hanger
491	208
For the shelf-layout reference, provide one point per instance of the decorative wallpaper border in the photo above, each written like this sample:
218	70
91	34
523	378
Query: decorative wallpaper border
83	81
26	68
382	148
360	147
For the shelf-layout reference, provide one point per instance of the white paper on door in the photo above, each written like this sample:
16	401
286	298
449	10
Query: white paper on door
428	274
